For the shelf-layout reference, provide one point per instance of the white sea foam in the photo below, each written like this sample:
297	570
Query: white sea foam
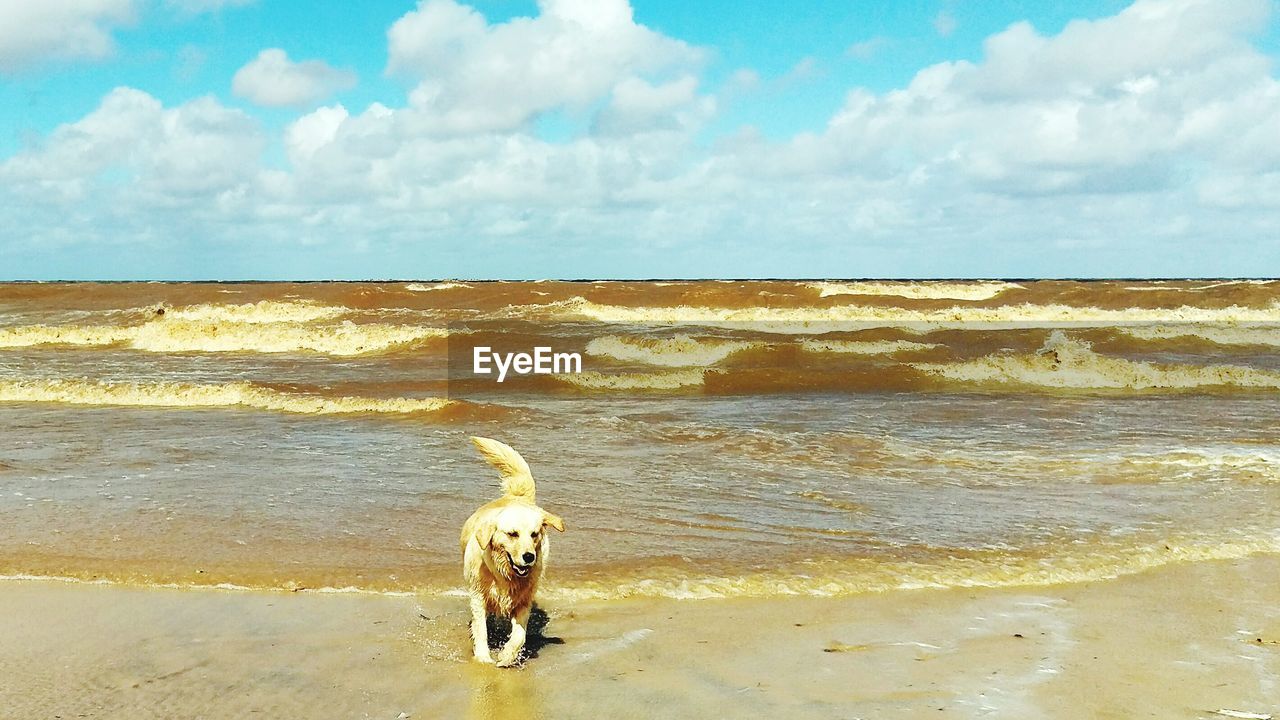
820	319
1221	334
266	311
916	290
678	351
671	380
419	287
175	334
1064	362
866	347
173	394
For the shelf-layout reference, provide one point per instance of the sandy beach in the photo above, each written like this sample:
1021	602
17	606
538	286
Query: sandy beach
1182	641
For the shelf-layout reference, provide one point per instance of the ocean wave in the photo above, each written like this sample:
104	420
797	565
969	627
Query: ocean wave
1067	363
866	347
31	335
834	503
175	335
222	586
1217	334
688	351
266	311
177	394
672	380
1062	363
821	319
819	577
856	576
1229	283
419	287
1163	286
1111	466
919	290
824	577
1233	462
678	351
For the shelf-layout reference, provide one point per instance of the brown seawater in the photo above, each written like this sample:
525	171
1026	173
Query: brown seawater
725	438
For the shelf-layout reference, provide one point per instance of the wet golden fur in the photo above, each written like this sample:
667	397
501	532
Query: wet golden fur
504	553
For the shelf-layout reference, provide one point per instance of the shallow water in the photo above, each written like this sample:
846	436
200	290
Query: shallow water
757	438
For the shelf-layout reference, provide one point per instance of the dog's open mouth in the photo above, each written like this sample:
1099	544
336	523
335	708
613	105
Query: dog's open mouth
520	570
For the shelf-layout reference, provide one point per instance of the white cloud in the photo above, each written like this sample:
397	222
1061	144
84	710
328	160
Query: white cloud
476	77
636	106
273	80
131	143
33	32
1128	103
313	131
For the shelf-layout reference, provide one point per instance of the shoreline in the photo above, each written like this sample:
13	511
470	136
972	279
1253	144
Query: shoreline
827	577
1182	640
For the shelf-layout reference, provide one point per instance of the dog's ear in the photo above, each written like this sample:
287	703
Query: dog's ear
552	520
485	533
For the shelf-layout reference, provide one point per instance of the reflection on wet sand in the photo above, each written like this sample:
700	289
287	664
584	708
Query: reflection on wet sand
498	694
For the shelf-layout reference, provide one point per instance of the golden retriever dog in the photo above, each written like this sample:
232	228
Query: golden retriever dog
504	552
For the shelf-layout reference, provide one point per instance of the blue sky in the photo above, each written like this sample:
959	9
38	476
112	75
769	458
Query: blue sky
262	139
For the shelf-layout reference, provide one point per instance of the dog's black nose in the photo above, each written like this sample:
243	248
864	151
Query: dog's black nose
528	557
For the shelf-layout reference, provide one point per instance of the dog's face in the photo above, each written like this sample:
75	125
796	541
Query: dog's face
514	538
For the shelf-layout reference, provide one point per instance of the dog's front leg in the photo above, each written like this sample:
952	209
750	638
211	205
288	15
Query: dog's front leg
480	629
511	651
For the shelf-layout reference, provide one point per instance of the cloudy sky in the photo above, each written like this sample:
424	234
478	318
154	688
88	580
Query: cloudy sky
229	139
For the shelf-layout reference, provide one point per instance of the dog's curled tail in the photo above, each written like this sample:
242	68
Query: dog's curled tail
517	481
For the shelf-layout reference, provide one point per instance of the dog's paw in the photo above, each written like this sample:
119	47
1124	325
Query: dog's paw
485	658
506	660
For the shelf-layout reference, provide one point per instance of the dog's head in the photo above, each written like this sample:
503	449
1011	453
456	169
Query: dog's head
515	535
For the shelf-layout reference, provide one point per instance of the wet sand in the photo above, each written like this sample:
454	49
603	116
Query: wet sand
1182	641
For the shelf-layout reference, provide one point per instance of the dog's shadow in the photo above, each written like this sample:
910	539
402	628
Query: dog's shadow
535	635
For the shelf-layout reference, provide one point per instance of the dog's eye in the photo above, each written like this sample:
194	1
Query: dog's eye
514	533
534	535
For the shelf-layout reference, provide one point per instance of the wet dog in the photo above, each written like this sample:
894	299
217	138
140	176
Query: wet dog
504	553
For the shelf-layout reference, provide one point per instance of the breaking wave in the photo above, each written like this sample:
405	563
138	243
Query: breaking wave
1217	334
177	394
825	577
1062	363
866	347
816	319
671	380
1067	363
678	351
687	351
923	290
174	333
266	311
1233	462
419	287
855	576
